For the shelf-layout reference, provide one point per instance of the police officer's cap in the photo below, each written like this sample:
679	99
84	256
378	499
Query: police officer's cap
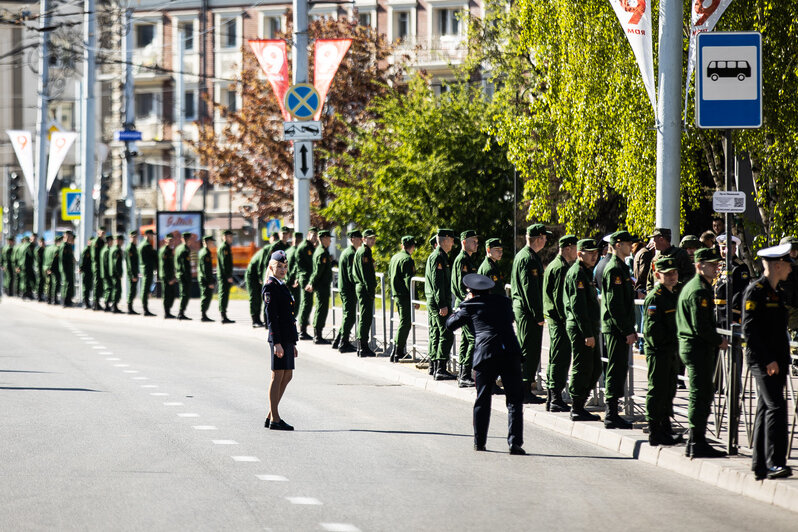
587	244
313	229
621	236
664	232
776	253
208	238
408	241
475	281
134	232
279	256
706	255
665	265
606	238
355	234
149	232
369	232
494	243
467	234
227	232
690	241
187	234
790	240
444	232
433	240
722	239
324	232
537	230
568	240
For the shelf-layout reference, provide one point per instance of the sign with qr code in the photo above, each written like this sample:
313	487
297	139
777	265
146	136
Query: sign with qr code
732	201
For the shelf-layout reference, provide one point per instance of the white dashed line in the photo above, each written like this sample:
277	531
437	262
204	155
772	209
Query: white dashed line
303	500
204	427
112	359
187	414
224	442
92	342
105	353
130	371
245	458
173	404
339	527
159	394
272	478
98	347
149	385
141	378
120	365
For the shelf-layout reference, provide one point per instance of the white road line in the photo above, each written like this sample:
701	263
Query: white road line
224	442
304	500
92	342
98	347
339	527
272	478
105	353
149	385
112	359
159	394
187	414
120	365
173	404
204	427
141	378
130	371
245	458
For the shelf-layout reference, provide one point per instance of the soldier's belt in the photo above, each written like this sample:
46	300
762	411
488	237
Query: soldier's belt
720	301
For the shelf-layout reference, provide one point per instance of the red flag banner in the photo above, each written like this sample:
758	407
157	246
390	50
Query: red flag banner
273	59
169	190
191	187
327	54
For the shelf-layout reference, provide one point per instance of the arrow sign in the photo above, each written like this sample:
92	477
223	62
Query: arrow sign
303	160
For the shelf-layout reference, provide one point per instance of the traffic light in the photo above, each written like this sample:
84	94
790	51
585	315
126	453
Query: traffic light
122	215
14	189
105	181
17	221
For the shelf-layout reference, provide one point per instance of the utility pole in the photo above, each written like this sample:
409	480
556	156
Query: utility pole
300	75
129	125
181	182
87	139
669	131
40	201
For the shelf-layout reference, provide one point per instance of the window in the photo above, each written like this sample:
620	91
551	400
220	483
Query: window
364	19
271	27
189	105
145	35
402	25
146	175
231	100
187	29
145	105
229	37
448	23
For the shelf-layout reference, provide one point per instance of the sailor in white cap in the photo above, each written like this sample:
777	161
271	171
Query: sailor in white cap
790	286
740	276
767	353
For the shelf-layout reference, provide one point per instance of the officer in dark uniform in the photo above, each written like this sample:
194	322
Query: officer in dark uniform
166	274
183	271
490	266
224	271
319	283
132	267
767	351
206	279
401	270
148	259
465	264
84	268
347	291
67	266
497	354
740	277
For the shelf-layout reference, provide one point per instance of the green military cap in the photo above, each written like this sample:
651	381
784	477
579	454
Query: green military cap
706	255
134	232
149	232
286	229
298	235
120	236
444	232
665	264
68	232
776	253
355	233
433	240
408	240
494	243
313	229
369	232
324	232
467	234
169	236
108	238
208	238
537	230
587	244
690	241
187	234
664	232
621	236
58	238
227	232
568	240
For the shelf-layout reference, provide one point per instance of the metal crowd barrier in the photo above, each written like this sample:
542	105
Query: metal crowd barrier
376	342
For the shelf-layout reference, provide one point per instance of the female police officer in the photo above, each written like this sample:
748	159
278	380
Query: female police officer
281	323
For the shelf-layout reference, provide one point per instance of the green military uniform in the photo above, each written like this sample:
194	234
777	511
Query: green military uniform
490	268
463	265
183	271
148	260
66	257
303	259
224	272
116	270
19	277
133	271
28	269
206	279
293	270
86	280
401	270
683	261
431	320
438	292
254	280
618	322
662	346
346	289
97	270
365	290
166	274
8	269
105	271
41	278
582	321
52	265
559	344
321	280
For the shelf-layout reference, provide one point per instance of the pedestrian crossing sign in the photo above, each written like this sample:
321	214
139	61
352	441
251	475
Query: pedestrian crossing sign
70	204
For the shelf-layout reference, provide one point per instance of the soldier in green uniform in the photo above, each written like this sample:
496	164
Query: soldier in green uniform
582	324
28	267
527	295
116	261
86	280
19	274
346	289
464	264
554	310
319	283
662	347
431	328
183	272
662	243
67	266
291	279
41	278
97	269
207	281
438	291
490	266
166	274
224	273
52	270
304	268
699	342
254	281
133	271
105	271
401	270
282	244
8	267
618	321
148	260
365	290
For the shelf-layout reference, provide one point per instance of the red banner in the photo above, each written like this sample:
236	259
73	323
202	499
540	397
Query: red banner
328	54
273	59
169	190
191	187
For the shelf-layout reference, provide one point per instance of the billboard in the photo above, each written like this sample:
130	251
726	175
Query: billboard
177	223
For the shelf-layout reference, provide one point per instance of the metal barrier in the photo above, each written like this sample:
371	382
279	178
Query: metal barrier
374	339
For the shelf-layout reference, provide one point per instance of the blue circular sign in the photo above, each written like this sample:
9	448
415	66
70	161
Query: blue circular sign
302	101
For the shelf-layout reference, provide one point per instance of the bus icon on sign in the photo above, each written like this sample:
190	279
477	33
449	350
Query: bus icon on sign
728	69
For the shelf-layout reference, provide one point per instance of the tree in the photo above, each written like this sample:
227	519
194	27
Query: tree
248	152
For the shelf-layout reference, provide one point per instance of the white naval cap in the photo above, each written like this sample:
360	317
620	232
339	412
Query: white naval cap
721	239
607	238
780	252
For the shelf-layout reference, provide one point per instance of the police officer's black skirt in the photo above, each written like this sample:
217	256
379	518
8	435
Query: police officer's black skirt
287	362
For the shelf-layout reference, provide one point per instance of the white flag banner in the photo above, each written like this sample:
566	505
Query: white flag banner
60	142
704	15
635	19
23	147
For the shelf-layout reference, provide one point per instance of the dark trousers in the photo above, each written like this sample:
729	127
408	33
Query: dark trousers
132	284
85	288
185	291
770	425
68	290
509	369
168	291
349	311
206	296
224	295
99	288
617	364
146	283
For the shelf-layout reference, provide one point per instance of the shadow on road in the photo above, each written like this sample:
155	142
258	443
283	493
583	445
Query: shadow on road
49	389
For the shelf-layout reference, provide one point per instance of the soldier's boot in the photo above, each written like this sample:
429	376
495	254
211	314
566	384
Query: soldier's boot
318	339
303	333
96	305
147	311
107	307
667	428
116	309
130	309
464	379
441	373
225	319
398	354
346	346
337	341
701	448
657	435
613	420
205	317
548	399
182	316
433	365
579	413
256	323
557	403
529	397
365	350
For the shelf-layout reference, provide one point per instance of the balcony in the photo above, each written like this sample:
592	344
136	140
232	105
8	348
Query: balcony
436	51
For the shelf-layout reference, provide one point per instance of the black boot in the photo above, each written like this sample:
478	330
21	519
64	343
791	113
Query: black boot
548	400
613	420
578	412
557	402
182	316
701	448
130	310
147	312
657	435
225	319
346	346
667	428
256	322
529	397
303	334
318	339
364	350
441	373
464	380
205	317
433	365
337	341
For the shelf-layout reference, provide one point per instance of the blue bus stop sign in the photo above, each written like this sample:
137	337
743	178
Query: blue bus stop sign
729	80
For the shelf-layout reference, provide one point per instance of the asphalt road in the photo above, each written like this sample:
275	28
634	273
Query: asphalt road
121	423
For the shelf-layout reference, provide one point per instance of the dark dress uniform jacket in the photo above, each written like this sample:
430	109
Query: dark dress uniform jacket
765	326
492	318
280	313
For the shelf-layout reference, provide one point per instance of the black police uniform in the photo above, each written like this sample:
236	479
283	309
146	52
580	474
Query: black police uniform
280	309
740	276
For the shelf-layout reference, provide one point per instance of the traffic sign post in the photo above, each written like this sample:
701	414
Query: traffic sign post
303	160
302	101
70	203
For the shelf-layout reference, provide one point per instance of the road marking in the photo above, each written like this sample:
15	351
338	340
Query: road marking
159	394
204	427
130	371
303	500
272	478
339	527
141	378
173	404
112	359
187	414
245	458
149	385
224	442
120	365
98	347
92	341
105	353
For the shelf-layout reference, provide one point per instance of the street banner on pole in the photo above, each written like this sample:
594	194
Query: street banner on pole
273	59
327	57
60	142
635	19
23	147
169	190
703	18
190	188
